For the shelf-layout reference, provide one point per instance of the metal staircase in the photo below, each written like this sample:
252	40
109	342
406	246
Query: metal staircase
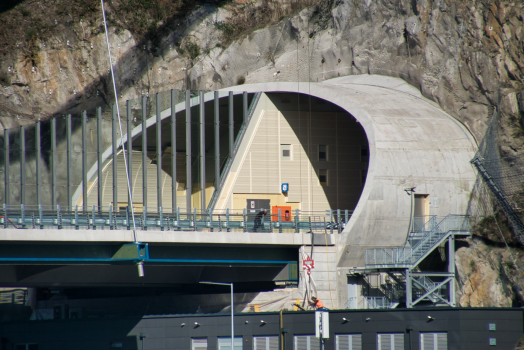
435	287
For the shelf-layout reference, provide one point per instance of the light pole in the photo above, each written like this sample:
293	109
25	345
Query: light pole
232	310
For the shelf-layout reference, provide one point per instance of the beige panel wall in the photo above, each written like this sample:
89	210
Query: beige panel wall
261	169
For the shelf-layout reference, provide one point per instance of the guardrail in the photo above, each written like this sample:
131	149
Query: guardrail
45	217
419	244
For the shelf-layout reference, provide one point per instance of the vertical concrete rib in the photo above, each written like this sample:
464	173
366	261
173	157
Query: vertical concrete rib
22	164
115	155
38	150
68	161
53	163
99	154
189	185
231	126
173	152
7	161
84	161
202	151
451	268
129	150
158	152
217	141
144	151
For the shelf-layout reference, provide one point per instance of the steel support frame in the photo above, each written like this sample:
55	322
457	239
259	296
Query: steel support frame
129	116
99	156
144	151
6	169
217	140
202	151
189	182
450	280
84	161
158	151
21	141
173	153
115	157
38	150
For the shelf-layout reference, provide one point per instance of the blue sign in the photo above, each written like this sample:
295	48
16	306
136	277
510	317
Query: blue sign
285	187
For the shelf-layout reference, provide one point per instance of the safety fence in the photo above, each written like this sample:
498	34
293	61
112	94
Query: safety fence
236	220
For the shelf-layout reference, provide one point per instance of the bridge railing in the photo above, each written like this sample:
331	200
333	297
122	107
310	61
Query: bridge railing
180	219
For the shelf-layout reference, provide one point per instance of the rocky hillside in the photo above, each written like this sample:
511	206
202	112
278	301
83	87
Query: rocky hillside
466	55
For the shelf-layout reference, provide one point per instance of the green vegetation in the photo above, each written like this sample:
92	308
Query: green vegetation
193	49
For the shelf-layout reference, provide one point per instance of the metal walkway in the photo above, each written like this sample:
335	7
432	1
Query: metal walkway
436	287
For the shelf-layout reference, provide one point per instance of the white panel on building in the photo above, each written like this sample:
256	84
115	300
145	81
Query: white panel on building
306	342
265	343
434	341
199	344
390	341
224	343
348	341
352	293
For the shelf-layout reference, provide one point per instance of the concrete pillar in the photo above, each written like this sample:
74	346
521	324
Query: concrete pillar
158	152
409	294
173	152
244	106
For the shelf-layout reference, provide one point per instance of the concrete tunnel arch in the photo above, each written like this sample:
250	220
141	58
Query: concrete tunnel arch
412	143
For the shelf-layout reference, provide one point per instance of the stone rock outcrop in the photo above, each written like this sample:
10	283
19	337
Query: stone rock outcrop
487	276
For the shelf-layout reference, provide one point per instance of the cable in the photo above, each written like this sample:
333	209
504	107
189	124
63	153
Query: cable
119	122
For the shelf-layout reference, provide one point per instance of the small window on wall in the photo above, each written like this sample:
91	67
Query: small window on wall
434	341
391	341
199	344
349	342
364	154
323	177
266	343
322	153
224	343
306	342
285	152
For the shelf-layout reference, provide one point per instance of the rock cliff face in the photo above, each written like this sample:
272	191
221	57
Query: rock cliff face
466	55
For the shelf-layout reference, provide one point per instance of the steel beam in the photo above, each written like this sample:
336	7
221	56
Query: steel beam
99	154
451	269
115	156
217	141
144	151
244	106
202	151
129	115
38	150
158	152
173	152
189	181
68	161
6	170
84	161
53	163
409	291
22	164
231	126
